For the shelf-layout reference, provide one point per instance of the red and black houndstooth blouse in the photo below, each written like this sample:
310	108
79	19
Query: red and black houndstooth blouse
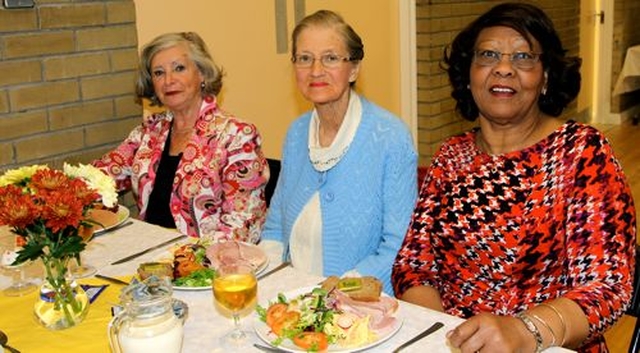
503	233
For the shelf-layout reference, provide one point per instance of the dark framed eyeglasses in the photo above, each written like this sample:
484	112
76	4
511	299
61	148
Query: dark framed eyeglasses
522	60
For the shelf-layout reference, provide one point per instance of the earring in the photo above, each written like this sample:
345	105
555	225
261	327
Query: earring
468	86
202	85
544	91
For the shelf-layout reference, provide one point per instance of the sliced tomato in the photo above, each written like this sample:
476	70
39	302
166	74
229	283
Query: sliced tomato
274	312
311	341
287	321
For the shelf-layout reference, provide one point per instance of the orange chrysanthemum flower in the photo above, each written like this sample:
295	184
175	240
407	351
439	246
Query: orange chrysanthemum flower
81	191
45	180
45	207
18	209
61	210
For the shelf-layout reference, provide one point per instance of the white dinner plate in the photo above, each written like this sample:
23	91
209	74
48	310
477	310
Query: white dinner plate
267	336
123	215
260	265
191	289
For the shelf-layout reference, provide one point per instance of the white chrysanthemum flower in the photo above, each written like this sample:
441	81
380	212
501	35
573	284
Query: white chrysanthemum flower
15	176
96	180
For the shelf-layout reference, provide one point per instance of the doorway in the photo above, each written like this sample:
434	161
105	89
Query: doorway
596	46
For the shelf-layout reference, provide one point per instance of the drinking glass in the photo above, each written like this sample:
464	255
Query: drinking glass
19	285
235	289
84	270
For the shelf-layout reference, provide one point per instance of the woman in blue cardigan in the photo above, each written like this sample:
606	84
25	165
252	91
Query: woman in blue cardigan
347	188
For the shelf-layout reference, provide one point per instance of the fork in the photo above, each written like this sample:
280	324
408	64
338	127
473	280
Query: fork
433	328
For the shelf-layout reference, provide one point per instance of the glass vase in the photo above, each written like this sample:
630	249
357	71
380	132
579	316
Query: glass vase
62	302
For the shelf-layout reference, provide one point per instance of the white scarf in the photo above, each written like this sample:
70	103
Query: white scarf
325	158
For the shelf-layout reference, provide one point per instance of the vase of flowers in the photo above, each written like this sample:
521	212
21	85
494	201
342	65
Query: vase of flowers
47	208
62	302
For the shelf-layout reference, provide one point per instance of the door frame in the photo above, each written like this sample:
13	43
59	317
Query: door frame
603	49
408	66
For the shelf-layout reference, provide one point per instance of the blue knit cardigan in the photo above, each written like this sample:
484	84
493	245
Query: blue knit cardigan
366	199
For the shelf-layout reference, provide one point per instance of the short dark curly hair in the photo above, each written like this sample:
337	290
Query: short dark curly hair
563	80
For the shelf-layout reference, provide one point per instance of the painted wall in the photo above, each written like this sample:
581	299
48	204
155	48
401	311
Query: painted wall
260	85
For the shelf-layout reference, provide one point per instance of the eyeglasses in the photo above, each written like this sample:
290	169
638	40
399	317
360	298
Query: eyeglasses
328	61
521	60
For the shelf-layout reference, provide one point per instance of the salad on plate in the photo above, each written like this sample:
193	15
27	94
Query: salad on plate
191	265
327	318
186	265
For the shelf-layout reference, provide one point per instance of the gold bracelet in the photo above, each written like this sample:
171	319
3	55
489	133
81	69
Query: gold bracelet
547	326
563	323
531	327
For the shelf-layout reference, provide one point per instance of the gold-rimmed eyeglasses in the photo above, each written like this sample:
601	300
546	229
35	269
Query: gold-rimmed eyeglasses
521	60
328	61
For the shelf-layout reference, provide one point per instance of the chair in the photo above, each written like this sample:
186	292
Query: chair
422	173
274	168
634	308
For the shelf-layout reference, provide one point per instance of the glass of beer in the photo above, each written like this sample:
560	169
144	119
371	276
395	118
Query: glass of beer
235	290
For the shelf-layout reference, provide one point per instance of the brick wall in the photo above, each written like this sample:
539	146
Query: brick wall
626	33
438	22
66	80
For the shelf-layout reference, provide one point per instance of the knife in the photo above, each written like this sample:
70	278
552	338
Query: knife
274	270
111	279
138	254
433	328
103	231
269	348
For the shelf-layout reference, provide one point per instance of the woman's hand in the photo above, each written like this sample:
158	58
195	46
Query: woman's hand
491	333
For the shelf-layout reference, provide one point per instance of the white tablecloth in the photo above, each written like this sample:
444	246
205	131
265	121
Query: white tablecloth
629	79
205	325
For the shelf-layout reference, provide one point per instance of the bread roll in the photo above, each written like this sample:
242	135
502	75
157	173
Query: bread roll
366	289
159	269
103	218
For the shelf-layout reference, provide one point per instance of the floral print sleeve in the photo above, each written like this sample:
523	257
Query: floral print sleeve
134	162
117	163
235	206
504	233
218	189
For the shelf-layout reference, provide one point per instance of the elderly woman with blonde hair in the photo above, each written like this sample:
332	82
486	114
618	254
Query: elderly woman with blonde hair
193	166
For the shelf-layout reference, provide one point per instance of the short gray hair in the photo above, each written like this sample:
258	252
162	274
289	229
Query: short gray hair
326	18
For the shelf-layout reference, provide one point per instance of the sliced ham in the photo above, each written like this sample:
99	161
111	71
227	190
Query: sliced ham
230	252
381	318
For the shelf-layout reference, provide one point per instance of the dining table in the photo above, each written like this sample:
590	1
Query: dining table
204	325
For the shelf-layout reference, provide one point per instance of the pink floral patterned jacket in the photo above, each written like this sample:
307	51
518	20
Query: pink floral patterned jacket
218	189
